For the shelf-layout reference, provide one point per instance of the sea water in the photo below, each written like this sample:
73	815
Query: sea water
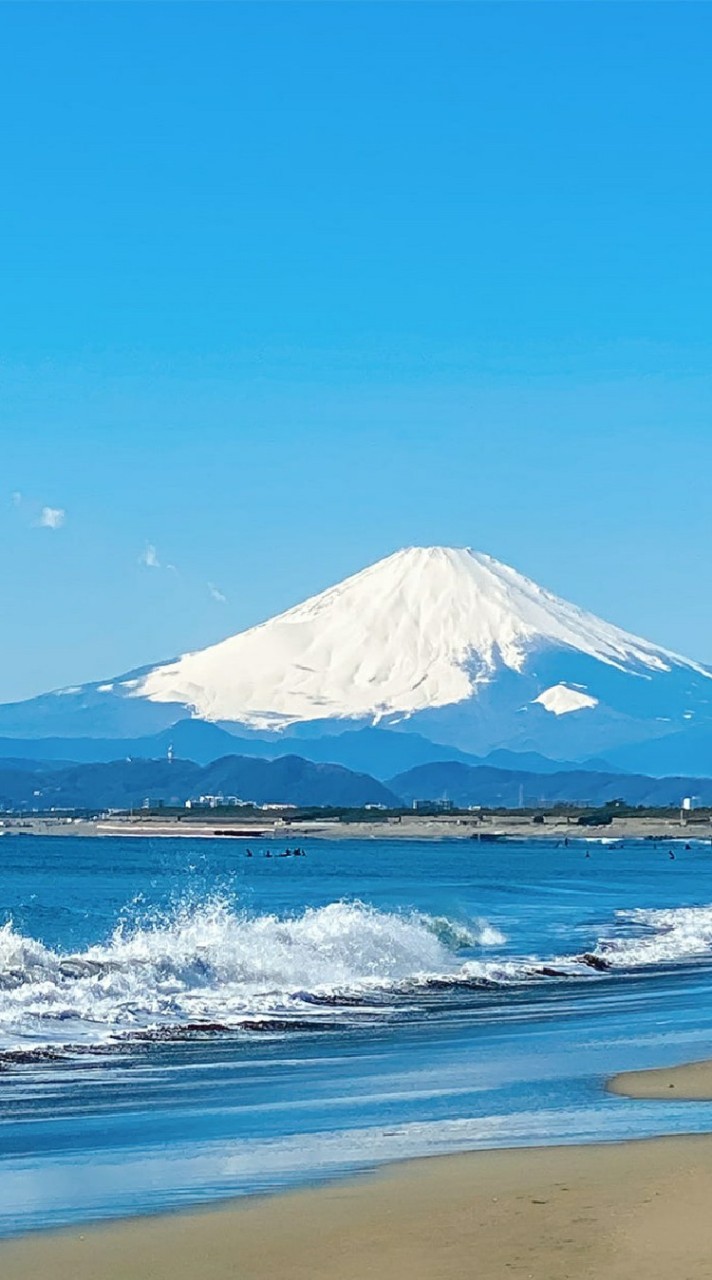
181	1021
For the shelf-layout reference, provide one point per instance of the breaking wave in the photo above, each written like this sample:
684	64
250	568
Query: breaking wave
208	968
658	937
212	965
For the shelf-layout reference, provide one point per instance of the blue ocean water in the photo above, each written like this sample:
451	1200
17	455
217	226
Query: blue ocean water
181	1022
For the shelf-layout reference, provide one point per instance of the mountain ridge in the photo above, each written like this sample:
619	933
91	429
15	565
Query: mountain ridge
465	786
291	780
127	784
380	752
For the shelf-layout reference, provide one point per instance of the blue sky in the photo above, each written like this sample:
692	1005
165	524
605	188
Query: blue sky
289	286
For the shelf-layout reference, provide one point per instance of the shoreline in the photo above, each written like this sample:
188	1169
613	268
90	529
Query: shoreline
489	831
615	1211
631	1210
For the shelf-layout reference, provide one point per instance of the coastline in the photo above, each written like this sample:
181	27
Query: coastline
602	1212
632	1210
445	827
551	1213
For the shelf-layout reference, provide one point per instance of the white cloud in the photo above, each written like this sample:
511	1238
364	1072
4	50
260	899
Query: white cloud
149	557
17	498
216	593
51	518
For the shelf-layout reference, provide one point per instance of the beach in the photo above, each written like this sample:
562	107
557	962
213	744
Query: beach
691	1081
184	1028
607	1212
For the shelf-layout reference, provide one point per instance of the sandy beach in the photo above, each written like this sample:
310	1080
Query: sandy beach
691	1081
609	1212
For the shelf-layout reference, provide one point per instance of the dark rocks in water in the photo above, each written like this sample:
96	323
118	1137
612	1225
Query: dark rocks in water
23	1057
461	984
182	1032
94	1050
334	1001
594	962
58	1053
191	1030
283	1024
547	972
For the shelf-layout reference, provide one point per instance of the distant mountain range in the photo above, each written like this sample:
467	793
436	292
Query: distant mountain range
443	648
291	780
125	784
465	786
380	752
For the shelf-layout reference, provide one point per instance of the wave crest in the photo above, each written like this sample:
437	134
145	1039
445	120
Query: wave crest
210	963
658	936
209	967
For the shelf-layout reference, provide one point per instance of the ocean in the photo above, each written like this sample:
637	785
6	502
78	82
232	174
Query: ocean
181	1022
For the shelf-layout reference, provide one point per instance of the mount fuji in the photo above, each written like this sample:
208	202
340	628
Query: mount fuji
444	642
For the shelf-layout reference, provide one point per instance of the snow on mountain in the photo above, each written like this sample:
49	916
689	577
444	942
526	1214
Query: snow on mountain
562	699
445	642
424	628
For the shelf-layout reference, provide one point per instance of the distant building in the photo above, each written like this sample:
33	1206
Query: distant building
439	806
218	802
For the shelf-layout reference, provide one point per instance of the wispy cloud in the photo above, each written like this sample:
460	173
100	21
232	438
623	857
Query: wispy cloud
16	498
216	593
149	557
51	518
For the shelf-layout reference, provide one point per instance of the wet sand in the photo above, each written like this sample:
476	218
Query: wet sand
691	1081
630	1211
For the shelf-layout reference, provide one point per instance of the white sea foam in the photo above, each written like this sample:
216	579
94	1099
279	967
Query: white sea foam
663	936
213	964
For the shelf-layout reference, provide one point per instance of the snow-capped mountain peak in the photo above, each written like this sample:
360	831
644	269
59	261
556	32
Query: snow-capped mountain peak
425	628
442	642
